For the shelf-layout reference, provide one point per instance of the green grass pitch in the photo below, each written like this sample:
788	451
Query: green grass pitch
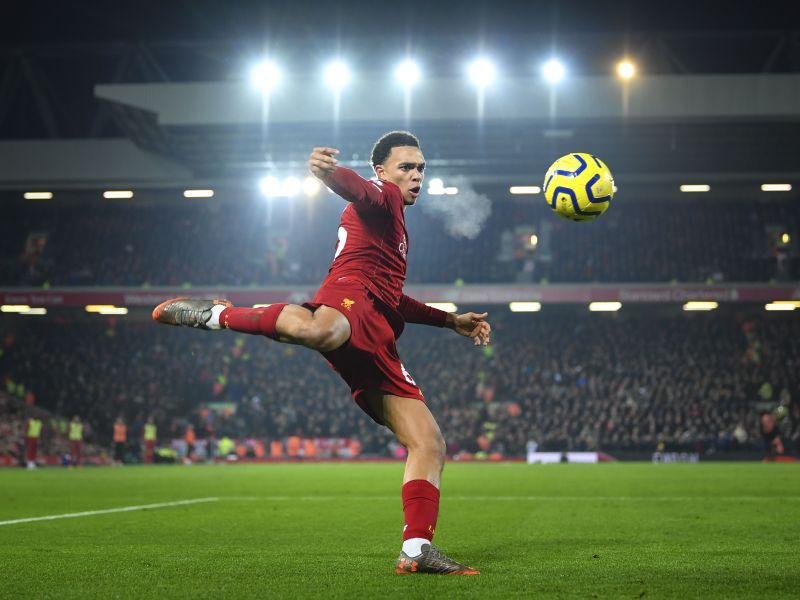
333	531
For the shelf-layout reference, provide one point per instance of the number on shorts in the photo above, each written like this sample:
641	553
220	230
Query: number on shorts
407	375
342	240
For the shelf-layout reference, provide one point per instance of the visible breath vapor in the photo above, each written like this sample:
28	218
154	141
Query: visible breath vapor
464	214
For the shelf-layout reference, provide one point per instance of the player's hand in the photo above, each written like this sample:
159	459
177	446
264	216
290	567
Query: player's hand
472	325
322	162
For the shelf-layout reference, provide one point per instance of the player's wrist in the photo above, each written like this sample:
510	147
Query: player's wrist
450	321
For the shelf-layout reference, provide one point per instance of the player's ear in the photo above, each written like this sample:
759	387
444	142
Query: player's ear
380	172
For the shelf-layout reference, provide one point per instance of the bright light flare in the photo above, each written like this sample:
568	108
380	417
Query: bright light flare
693	187
524	189
265	76
780	306
311	186
198	194
626	69
112	194
553	71
525	306
270	186
337	75
408	73
445	306
38	195
776	187
605	306
15	308
481	72
106	309
700	305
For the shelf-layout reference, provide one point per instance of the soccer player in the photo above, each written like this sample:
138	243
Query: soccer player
355	319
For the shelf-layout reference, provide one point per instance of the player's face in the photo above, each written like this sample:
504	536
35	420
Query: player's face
405	167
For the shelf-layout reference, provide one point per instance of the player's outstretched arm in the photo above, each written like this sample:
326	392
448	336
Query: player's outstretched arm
322	162
471	325
348	184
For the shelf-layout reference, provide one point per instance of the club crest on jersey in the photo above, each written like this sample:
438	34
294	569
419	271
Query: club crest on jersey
347	303
403	247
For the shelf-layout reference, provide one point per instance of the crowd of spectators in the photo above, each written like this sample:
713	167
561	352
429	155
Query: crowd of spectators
266	243
631	382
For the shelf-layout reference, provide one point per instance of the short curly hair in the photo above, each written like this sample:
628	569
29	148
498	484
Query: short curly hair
383	147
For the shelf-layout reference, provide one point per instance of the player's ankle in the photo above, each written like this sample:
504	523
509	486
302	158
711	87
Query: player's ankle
413	546
214	321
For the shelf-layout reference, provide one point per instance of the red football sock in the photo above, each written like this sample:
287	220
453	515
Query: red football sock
420	508
252	320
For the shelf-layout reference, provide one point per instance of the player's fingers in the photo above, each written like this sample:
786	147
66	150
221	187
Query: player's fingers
480	317
325	150
324	158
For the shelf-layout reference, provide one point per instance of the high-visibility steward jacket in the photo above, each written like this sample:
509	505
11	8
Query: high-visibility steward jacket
34	428
149	432
75	431
120	432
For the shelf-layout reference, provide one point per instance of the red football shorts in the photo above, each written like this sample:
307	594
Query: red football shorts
369	360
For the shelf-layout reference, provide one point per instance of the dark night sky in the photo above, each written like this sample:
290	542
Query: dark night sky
37	21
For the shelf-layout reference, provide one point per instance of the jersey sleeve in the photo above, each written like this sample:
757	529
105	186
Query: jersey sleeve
414	311
363	193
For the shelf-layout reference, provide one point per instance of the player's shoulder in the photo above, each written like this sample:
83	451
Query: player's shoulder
391	190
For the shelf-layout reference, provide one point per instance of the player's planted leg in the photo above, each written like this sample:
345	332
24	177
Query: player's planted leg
413	424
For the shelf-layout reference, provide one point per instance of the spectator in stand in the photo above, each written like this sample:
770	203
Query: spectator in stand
75	440
34	432
120	438
150	437
190	437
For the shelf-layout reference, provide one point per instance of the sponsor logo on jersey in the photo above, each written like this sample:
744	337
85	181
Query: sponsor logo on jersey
403	247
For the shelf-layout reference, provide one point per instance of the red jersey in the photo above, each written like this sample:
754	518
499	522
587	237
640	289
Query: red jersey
373	242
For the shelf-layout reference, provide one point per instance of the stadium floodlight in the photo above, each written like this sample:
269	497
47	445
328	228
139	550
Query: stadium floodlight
265	76
111	194
534	240
291	186
35	311
270	186
779	306
445	306
481	72
605	306
337	75
524	189
311	186
525	306
785	238
626	70
700	305
38	195
408	73
198	194
695	187
15	308
776	187
450	191
553	71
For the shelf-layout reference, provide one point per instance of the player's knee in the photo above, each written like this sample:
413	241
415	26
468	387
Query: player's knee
433	446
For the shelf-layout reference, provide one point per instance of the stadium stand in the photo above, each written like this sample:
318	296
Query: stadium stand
626	384
262	245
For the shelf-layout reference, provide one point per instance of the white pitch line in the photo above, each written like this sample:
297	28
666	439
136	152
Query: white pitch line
89	513
445	497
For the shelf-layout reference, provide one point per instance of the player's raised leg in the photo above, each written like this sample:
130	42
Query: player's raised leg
323	329
413	424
